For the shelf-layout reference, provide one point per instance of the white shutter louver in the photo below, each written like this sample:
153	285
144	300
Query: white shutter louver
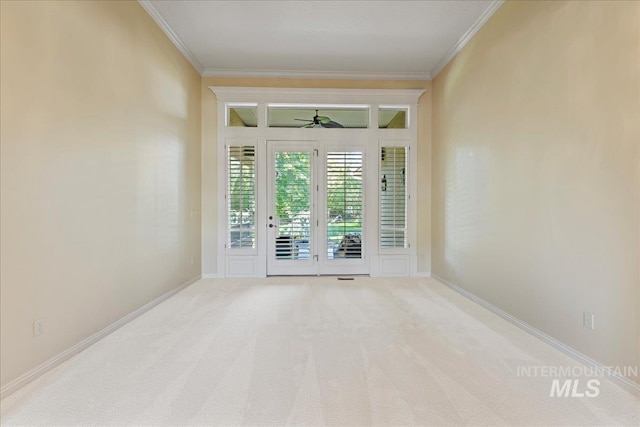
393	197
241	197
344	203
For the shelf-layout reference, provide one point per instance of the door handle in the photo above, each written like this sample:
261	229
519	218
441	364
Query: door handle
271	226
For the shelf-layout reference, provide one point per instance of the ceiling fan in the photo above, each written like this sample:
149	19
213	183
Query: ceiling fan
320	122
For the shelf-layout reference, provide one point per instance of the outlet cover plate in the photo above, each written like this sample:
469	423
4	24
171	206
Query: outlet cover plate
589	320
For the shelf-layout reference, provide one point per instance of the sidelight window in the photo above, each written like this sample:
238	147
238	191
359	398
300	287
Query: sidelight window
393	197
241	197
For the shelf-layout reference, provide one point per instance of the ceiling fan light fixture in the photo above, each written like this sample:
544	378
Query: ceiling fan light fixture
320	122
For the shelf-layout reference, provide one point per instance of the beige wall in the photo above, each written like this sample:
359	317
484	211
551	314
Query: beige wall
536	188
100	149
209	154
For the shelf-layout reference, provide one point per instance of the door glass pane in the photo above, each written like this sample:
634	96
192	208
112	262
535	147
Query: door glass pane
344	204
293	204
393	197
241	178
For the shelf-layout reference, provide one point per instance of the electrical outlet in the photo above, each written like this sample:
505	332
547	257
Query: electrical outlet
589	320
38	327
191	261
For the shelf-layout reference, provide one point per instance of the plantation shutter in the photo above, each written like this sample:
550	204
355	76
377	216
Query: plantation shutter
393	197
241	197
345	203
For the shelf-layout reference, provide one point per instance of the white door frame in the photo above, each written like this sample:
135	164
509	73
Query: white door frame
319	262
254	263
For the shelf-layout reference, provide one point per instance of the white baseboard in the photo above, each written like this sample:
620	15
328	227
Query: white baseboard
211	276
55	361
423	274
618	379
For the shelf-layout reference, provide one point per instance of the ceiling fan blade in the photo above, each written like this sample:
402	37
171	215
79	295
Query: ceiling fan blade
332	124
320	122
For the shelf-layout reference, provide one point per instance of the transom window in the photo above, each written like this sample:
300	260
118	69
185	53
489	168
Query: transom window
318	116
242	115
393	117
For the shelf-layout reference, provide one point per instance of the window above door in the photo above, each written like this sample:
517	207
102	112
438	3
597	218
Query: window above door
318	116
241	115
275	108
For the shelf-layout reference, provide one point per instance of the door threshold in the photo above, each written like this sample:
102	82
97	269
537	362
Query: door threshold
318	275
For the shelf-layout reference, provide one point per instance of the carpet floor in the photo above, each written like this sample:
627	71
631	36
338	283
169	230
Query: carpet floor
314	351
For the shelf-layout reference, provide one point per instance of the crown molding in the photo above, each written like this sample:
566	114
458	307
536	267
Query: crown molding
166	28
348	75
489	11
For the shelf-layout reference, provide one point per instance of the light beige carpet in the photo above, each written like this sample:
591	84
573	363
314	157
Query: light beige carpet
314	351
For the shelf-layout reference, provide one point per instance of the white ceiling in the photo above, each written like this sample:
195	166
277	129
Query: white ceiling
359	39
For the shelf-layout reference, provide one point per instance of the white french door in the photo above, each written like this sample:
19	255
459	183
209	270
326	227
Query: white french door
316	210
291	234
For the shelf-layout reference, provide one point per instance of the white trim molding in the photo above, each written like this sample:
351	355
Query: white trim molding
330	96
301	74
488	13
55	361
166	28
616	378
